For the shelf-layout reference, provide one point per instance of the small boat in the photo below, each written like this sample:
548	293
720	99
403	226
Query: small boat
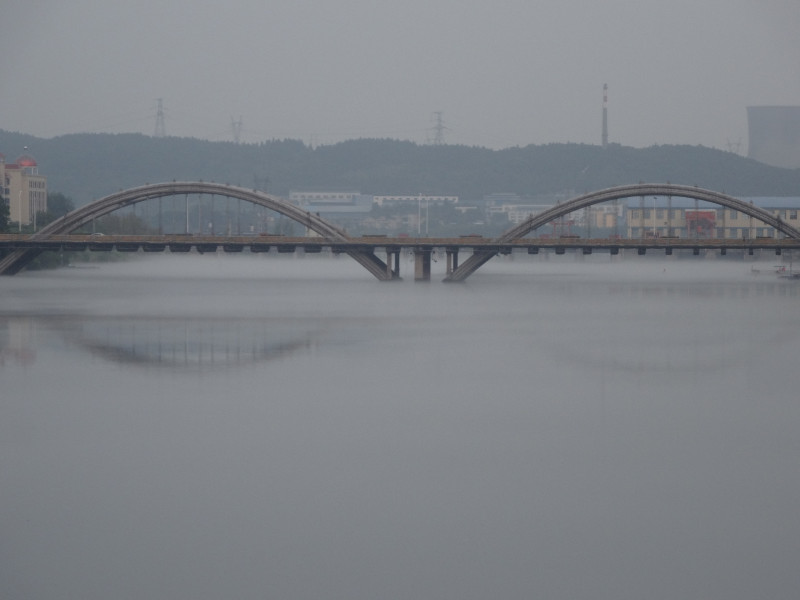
784	273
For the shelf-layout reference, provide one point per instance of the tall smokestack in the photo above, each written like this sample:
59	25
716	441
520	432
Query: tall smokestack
605	115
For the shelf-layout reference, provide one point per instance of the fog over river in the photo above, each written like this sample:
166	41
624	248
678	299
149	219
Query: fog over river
282	428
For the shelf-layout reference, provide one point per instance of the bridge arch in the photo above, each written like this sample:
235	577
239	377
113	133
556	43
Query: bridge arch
15	261
478	259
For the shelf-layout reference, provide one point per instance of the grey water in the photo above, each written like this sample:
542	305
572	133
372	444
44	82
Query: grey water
236	427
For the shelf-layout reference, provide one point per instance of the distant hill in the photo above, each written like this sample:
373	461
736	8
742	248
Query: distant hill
90	166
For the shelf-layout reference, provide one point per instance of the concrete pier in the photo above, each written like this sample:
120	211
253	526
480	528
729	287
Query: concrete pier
393	272
422	264
452	259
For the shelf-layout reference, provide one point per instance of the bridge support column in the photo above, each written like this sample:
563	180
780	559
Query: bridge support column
422	265
393	272
452	260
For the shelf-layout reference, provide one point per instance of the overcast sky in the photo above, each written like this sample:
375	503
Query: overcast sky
502	73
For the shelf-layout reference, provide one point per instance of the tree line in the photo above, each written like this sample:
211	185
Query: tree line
86	167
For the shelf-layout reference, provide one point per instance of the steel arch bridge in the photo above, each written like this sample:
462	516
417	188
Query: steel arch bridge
17	259
479	258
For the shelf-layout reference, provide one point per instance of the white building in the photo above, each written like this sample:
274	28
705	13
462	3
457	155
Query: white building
419	199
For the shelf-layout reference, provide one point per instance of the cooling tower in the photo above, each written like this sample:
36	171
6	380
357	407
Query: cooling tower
774	135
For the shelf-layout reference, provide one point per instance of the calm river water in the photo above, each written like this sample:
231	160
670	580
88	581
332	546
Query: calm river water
263	428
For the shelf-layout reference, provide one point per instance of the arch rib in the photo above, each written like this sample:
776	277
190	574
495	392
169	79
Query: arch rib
478	259
16	260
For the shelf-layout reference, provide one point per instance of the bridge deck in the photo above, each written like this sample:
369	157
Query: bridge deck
157	243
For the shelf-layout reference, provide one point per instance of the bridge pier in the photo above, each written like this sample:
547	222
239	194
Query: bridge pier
393	272
422	264
452	260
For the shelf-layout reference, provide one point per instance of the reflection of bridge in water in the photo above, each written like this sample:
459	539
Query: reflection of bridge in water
59	235
200	343
170	343
189	343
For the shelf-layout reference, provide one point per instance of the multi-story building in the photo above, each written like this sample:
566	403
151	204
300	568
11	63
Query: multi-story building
24	190
331	202
688	219
323	198
417	200
604	216
4	191
517	213
656	217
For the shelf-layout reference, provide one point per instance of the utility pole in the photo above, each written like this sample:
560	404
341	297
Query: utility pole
734	147
236	129
160	130
605	116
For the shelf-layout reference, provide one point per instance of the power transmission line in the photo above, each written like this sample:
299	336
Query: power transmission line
438	128
160	130
236	129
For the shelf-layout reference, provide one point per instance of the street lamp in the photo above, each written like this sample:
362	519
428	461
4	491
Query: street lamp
419	214
654	216
20	211
427	200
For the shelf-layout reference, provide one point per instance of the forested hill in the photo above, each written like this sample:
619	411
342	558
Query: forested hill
90	166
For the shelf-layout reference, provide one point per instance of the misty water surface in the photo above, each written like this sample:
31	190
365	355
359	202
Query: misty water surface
220	427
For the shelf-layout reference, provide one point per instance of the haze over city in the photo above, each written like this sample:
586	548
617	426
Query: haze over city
506	73
235	371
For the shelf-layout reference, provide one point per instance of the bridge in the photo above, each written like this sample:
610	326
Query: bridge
59	235
87	214
480	258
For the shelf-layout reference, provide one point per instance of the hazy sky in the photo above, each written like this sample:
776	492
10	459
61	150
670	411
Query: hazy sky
502	73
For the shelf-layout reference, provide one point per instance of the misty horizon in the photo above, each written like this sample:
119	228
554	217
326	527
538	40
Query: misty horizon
501	75
560	425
